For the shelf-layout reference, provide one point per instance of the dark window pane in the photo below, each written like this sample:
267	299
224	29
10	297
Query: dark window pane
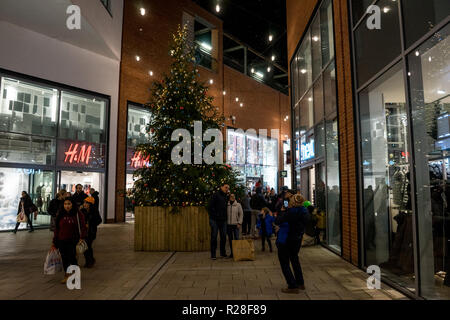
318	101
329	78
316	48
421	16
359	8
306	113
326	30
375	49
305	65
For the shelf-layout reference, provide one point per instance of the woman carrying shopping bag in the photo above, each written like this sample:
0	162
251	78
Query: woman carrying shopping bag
26	208
70	229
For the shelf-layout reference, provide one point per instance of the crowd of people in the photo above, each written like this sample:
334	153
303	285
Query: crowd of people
74	217
287	214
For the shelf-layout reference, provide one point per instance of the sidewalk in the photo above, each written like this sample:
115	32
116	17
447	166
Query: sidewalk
122	274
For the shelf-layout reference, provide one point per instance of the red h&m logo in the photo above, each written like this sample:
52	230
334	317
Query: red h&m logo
75	155
138	161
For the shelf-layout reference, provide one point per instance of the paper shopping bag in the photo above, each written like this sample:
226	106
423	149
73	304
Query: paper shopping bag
243	250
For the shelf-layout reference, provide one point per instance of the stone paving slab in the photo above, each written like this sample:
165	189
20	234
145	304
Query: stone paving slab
123	274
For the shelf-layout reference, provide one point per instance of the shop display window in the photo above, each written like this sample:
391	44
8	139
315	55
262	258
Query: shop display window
26	149
388	220
28	108
305	65
316	48
430	96
327	32
307	112
375	49
82	118
138	120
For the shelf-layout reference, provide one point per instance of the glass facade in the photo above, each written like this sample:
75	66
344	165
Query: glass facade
315	125
137	133
49	137
404	147
256	157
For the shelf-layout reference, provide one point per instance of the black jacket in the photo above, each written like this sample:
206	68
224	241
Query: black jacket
78	198
93	219
258	202
218	206
54	206
97	199
28	205
297	218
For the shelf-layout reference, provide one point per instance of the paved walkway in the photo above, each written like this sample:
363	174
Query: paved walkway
123	274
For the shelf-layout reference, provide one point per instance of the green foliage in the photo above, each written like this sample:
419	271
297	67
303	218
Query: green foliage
177	101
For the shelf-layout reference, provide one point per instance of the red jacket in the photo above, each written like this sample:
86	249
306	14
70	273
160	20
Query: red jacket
67	227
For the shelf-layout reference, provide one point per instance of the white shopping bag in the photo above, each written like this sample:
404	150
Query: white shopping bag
53	262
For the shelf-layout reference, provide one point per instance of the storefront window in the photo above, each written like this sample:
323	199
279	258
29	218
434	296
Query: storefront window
359	8
430	100
37	183
18	148
420	18
329	79
333	186
138	120
375	49
387	210
316	53
32	150
318	101
327	33
28	108
82	118
307	112
305	65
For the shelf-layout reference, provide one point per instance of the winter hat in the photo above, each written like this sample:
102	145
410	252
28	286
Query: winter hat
90	200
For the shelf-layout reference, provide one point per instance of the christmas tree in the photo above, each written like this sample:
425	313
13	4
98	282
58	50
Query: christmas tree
177	102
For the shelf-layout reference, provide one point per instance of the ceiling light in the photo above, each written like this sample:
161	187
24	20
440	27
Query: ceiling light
138	58
241	104
310	99
429	59
417	53
409	74
315	38
150	73
142	10
259	75
273	58
287	117
303	71
253	70
270	38
237	99
224	92
268	69
386	9
217	8
206	46
211	81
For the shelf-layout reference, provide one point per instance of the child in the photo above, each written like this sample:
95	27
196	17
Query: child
264	225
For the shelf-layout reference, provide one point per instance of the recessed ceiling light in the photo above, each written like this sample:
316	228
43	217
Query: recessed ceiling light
241	104
150	73
142	11
211	81
268	69
138	58
270	38
237	99
224	92
217	8
273	58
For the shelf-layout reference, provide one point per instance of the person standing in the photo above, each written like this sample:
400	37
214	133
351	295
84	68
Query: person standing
218	220
26	207
235	217
293	223
247	214
79	196
92	219
257	203
70	228
265	227
94	194
54	207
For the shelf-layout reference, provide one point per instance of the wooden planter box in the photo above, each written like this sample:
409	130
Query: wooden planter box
156	229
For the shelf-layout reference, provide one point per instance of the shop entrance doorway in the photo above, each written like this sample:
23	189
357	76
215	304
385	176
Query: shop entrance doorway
69	179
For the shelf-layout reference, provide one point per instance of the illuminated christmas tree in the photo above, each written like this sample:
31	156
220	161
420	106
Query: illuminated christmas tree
178	101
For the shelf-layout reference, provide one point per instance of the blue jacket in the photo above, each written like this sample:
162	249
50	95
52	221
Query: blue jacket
296	218
283	233
269	220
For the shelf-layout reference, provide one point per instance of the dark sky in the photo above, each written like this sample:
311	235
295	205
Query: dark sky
251	21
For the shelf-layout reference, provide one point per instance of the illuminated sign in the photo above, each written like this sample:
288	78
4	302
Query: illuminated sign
307	150
138	161
78	153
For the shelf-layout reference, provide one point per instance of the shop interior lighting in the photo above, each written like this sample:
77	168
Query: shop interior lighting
303	71
205	46
142	11
138	58
211	81
150	73
386	9
268	69
217	8
441	92
270	38
259	75
315	38
252	70
417	53
273	58
241	104
237	99
224	93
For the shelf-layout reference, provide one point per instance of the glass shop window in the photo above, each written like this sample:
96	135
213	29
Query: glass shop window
28	108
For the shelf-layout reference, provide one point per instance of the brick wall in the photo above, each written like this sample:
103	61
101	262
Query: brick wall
299	14
263	106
